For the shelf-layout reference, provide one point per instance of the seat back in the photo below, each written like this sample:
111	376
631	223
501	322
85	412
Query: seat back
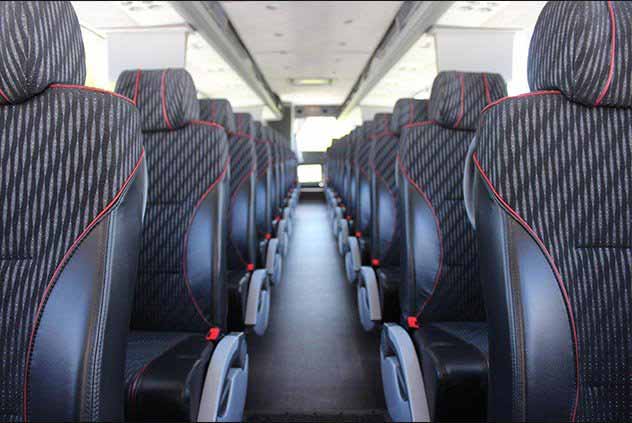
363	151
263	188
440	269
72	196
241	252
181	283
554	218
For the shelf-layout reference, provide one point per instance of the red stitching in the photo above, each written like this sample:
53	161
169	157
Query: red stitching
207	123
163	90
422	123
3	95
613	31
462	111
136	87
186	238
93	89
440	235
531	94
549	257
53	280
486	84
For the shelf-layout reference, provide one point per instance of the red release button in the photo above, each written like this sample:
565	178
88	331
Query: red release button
412	322
213	334
375	262
250	267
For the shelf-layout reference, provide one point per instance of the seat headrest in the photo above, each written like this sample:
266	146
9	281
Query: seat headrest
407	111
583	49
218	110
457	98
244	124
381	124
166	98
40	45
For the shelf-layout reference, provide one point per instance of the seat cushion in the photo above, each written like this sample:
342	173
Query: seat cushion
454	362
164	375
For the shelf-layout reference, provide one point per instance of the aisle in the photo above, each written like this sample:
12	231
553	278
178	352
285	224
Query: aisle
315	357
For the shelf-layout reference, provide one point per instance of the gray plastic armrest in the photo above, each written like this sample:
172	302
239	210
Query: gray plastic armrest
274	261
258	302
403	384
336	222
343	236
353	260
224	392
468	183
368	299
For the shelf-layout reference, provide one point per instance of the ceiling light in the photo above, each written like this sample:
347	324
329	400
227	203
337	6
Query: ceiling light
278	34
301	82
271	7
348	21
342	44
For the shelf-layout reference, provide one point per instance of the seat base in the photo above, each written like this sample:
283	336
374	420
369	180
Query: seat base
454	364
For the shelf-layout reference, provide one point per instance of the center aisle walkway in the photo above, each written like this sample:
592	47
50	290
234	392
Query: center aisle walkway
315	361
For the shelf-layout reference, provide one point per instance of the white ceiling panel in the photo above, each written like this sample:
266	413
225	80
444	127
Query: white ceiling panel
293	40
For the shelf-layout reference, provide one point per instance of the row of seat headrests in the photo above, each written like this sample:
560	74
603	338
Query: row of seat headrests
47	48
34	56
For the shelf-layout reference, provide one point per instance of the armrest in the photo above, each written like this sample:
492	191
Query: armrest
404	389
258	303
368	299
224	392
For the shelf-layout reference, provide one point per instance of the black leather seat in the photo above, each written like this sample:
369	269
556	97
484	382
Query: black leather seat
72	196
269	251
181	357
553	205
381	279
248	287
440	278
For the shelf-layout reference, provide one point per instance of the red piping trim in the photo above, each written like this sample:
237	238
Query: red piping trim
422	123
531	94
3	95
53	280
486	84
462	111
439	235
613	38
186	239
136	87
207	123
163	98
96	90
557	273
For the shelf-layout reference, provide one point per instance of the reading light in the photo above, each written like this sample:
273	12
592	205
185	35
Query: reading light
311	81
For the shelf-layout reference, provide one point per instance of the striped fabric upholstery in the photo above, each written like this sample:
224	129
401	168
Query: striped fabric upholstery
264	167
38	47
183	167
566	169
242	168
584	49
432	157
218	110
166	98
463	96
65	154
385	233
407	111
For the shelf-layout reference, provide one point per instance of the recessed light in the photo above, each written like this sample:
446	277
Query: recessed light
301	82
348	21
278	34
271	7
337	60
342	44
283	52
